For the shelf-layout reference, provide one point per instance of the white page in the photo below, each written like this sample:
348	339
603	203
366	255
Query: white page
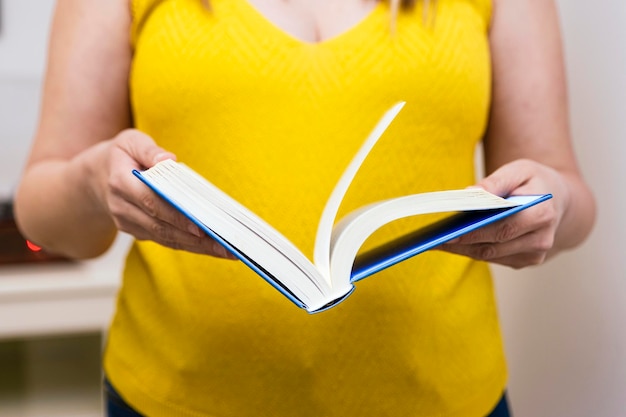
321	256
352	231
212	207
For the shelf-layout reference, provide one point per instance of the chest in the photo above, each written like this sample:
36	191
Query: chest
313	21
263	114
194	62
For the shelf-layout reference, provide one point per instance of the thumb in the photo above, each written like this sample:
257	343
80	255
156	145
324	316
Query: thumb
143	149
506	179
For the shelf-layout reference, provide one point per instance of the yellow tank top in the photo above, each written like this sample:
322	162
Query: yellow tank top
273	121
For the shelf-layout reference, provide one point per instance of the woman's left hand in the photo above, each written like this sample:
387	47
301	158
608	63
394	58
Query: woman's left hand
527	145
526	238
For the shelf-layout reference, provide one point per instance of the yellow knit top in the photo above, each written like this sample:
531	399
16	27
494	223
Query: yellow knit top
273	121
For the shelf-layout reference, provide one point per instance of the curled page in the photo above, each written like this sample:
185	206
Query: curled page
321	255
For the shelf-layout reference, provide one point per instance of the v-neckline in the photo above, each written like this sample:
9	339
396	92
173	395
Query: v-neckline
263	19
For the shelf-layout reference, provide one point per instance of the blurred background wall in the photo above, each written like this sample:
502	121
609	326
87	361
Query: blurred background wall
563	322
23	42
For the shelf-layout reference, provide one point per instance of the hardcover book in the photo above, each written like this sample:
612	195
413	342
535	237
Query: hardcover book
318	284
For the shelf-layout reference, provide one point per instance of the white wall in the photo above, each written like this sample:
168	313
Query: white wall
565	322
23	42
23	37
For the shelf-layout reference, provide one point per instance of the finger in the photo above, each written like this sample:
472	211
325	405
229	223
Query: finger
521	260
534	218
142	148
501	231
146	216
508	178
529	246
126	188
157	208
144	227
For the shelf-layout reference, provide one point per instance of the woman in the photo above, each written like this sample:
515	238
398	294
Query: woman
269	100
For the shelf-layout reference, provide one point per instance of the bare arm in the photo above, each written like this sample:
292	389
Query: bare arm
77	189
528	145
85	101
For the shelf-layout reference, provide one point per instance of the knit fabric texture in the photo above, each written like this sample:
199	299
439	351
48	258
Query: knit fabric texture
273	121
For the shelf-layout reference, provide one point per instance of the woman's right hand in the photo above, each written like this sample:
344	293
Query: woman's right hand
77	189
136	209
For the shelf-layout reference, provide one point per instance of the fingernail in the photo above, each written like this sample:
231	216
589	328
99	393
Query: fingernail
161	157
221	251
194	230
225	253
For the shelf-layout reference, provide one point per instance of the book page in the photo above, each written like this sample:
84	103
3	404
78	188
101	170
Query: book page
321	255
352	231
209	206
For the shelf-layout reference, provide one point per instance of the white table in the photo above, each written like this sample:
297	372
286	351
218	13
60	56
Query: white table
60	297
53	311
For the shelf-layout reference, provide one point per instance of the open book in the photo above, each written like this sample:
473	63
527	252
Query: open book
328	279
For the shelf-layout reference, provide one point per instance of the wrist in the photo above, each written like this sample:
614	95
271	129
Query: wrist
87	172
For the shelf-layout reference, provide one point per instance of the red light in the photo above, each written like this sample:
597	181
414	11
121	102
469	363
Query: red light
32	246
